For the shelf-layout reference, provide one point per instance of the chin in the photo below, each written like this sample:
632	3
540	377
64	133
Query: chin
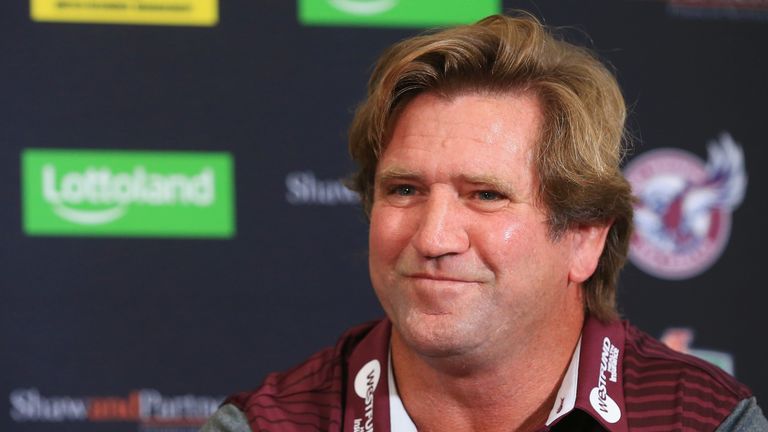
436	335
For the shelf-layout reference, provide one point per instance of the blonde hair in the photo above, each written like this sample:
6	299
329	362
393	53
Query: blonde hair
582	139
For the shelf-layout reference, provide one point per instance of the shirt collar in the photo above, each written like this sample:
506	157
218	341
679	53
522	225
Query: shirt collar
566	395
598	387
593	382
367	395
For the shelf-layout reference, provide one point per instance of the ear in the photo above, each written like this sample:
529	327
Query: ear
587	244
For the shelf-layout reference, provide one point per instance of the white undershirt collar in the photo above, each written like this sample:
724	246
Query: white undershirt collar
399	419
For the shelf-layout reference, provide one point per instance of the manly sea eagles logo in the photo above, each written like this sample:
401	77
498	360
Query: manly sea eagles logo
683	213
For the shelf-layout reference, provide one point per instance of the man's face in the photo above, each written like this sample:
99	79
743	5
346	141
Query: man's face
460	253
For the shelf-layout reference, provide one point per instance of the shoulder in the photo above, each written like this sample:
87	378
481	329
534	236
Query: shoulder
664	387
747	417
306	396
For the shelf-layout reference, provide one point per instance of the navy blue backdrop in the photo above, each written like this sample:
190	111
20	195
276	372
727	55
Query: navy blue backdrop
99	323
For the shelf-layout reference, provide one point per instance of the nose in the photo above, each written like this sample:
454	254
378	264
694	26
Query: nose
442	226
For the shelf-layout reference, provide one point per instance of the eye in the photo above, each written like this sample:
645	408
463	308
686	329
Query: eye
487	200
401	194
402	190
489	196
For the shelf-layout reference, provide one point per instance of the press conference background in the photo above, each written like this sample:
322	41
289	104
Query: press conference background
101	317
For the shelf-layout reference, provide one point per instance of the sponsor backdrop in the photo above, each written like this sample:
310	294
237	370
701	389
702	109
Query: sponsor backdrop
174	227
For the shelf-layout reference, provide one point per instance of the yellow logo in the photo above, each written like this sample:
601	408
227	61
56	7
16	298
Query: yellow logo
151	12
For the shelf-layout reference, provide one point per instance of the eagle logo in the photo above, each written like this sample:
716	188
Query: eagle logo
683	213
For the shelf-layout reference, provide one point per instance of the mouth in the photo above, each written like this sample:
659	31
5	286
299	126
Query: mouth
439	294
440	278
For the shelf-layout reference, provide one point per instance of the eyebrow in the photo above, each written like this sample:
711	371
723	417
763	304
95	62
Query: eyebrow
396	173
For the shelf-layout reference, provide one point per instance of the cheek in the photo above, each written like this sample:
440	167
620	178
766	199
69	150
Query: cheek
513	246
499	243
386	242
537	257
387	237
510	233
509	236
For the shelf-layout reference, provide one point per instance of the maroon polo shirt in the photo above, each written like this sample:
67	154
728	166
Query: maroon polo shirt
626	381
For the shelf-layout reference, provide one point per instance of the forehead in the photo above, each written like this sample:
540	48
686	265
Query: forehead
468	134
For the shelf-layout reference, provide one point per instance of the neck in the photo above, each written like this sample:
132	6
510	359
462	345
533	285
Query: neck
514	391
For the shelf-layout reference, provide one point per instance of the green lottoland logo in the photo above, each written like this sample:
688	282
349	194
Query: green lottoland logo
127	193
401	13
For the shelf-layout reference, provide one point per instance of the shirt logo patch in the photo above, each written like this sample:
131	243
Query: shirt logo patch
366	381
598	397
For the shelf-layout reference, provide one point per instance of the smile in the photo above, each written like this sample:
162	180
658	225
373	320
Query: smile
440	278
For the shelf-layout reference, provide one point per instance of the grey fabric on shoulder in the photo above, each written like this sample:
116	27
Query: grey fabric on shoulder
227	419
746	417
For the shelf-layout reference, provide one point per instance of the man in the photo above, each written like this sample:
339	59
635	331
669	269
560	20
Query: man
499	219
